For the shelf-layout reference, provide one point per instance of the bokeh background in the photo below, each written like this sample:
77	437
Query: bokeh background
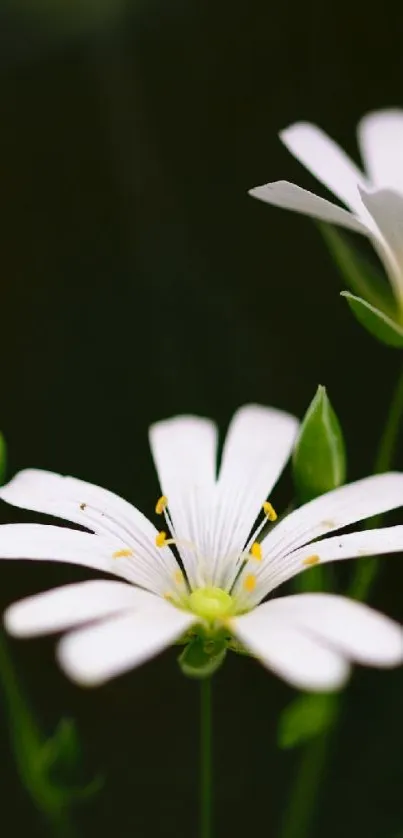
139	280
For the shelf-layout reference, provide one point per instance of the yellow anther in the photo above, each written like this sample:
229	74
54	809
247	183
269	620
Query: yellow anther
161	538
256	551
179	577
311	560
269	511
168	597
249	582
161	504
122	554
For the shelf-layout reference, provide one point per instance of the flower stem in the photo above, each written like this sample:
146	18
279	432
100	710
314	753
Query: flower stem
206	740
298	818
366	571
301	807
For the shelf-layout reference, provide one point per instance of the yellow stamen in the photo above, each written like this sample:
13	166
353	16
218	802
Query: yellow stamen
256	551
161	539
161	504
178	576
311	560
249	582
269	511
122	554
169	597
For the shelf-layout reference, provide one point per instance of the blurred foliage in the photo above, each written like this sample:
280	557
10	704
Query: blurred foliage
69	16
49	767
306	717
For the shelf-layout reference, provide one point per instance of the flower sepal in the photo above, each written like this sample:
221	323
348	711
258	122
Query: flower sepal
362	278
203	656
375	321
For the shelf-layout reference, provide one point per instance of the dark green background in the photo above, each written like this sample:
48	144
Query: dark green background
139	280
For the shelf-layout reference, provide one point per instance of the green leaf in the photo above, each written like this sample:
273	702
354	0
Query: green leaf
201	658
360	275
61	753
375	321
319	458
307	717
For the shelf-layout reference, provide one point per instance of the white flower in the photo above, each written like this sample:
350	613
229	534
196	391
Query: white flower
308	639
374	199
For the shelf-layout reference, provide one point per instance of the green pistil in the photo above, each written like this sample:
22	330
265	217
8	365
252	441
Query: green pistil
211	603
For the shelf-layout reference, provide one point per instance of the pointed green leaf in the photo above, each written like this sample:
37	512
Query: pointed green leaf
360	275
201	658
61	752
375	321
305	718
319	458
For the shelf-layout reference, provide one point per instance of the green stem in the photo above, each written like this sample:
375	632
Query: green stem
297	821
366	570
206	741
301	807
388	442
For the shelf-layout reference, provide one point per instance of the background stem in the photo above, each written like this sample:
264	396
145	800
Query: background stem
366	571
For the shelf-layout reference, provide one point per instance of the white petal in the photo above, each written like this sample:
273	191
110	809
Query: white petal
300	659
386	208
333	511
70	605
258	444
380	136
106	514
55	544
327	161
78	501
184	450
353	546
292	197
353	629
93	655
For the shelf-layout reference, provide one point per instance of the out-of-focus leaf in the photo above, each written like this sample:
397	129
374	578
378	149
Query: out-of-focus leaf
375	321
307	717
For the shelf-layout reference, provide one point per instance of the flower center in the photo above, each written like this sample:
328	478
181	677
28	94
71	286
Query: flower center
211	603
